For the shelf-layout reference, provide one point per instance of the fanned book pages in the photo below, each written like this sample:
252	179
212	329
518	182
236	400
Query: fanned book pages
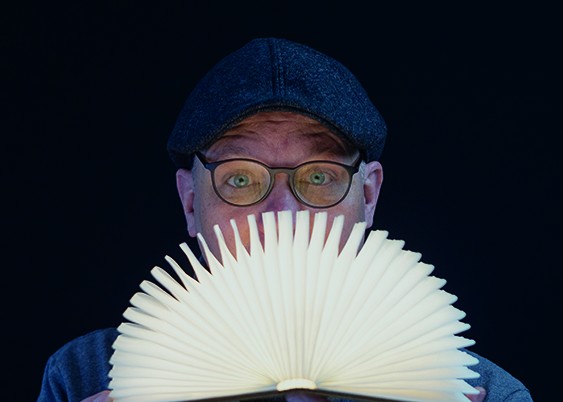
292	312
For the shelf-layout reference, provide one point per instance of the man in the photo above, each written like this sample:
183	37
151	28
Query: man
273	126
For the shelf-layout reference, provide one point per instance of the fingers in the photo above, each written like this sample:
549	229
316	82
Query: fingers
296	396
299	396
99	397
480	397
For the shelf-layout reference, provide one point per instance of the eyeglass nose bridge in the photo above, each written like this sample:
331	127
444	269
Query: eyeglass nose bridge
290	172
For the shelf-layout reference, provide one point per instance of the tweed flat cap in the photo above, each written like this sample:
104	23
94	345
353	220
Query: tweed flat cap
276	74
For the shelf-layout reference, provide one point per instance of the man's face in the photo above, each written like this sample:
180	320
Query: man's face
275	139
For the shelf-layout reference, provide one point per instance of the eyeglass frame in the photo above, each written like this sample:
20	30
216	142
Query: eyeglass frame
290	171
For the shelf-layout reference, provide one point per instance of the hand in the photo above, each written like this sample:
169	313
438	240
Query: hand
301	396
305	397
290	397
99	397
480	397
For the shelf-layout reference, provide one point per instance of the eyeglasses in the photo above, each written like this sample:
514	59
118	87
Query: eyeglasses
244	182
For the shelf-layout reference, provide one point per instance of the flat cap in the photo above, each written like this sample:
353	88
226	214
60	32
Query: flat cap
276	74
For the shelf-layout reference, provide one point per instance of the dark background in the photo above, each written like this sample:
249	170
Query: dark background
473	173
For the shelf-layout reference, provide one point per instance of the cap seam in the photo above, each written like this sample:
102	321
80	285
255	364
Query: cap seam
277	67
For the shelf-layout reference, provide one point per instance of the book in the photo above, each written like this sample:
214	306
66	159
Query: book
297	310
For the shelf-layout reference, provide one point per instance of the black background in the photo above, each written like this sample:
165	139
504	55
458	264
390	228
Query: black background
473	173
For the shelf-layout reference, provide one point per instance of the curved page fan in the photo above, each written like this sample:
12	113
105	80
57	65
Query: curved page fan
293	312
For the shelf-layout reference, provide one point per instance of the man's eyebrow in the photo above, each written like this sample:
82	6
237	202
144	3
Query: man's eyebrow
225	150
333	145
336	147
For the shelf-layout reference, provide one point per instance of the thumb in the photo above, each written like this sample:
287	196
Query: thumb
480	397
99	397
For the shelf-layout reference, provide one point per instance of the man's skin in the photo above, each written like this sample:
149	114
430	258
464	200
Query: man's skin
276	139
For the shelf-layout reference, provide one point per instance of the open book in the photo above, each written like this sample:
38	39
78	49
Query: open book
292	312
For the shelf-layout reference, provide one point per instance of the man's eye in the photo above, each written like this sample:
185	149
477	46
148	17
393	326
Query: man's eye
317	178
239	180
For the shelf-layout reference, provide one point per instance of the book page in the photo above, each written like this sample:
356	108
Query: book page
294	312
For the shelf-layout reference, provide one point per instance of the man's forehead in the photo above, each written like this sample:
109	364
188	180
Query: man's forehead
267	127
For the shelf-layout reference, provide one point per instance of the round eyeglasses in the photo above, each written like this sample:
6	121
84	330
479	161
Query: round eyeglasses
317	184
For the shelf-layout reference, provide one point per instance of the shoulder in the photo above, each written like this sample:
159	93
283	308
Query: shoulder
97	338
91	346
500	385
80	367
